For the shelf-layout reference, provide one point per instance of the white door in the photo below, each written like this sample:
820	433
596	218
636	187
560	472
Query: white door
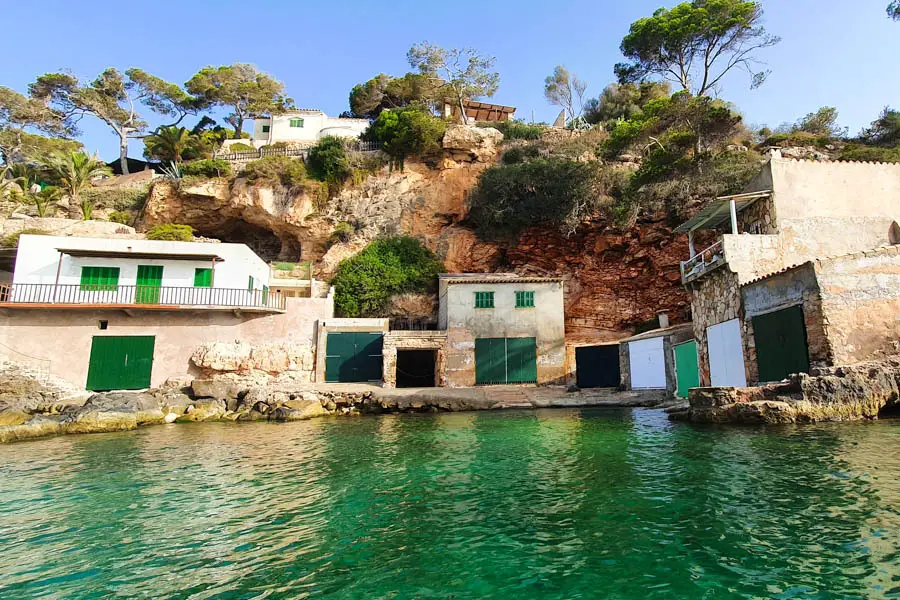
726	355
648	364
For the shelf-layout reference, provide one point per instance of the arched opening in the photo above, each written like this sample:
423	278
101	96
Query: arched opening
890	411
894	234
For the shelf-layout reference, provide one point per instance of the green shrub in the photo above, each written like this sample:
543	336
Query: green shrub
512	197
328	161
341	233
210	167
171	233
276	171
284	266
520	154
118	216
869	153
364	284
408	131
515	130
276	146
12	240
240	147
798	138
117	198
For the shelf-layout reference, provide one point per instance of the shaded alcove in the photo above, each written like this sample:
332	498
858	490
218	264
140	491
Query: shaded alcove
416	368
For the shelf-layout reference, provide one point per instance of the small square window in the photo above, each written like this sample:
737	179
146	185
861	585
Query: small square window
524	299
265	129
104	324
203	277
484	299
296	122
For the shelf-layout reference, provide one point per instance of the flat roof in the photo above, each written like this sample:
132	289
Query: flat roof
655	333
718	212
128	254
497	279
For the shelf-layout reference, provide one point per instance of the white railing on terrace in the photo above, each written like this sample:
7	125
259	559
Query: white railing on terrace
702	261
354	146
139	296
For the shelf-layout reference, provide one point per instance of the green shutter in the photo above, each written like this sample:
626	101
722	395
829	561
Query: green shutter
524	299
781	346
203	277
296	122
265	294
149	282
265	129
99	279
120	363
250	284
484	299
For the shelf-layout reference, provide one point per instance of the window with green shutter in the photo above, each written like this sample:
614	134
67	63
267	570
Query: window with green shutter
484	299
265	129
203	277
296	122
524	299
99	279
250	285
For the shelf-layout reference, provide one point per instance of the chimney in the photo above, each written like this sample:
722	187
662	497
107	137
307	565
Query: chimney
663	319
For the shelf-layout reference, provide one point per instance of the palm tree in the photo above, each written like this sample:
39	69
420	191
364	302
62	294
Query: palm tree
168	143
74	171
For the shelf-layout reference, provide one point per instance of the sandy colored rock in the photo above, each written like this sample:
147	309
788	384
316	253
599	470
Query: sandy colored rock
478	143
208	410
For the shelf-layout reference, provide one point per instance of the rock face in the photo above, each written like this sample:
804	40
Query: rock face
242	357
465	143
847	393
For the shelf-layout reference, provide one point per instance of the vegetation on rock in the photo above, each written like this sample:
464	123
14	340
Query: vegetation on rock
209	167
73	172
409	131
118	216
171	233
328	161
566	90
365	283
276	171
516	130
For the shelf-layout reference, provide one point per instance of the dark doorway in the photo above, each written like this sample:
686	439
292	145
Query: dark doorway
597	366
415	368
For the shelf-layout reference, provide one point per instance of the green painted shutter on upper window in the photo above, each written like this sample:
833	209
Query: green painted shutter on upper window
265	129
296	122
484	299
202	277
524	299
250	285
99	279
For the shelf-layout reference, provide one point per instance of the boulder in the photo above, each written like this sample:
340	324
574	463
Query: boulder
210	410
223	356
34	428
479	143
11	417
219	388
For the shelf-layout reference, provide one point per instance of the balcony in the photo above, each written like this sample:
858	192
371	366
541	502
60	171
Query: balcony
137	297
703	262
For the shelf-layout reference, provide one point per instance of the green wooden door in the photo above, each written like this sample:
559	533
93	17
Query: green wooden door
505	360
120	362
521	360
781	346
149	280
353	357
687	371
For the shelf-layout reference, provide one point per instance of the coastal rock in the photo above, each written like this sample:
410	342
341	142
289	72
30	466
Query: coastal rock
218	388
210	410
241	357
223	356
36	427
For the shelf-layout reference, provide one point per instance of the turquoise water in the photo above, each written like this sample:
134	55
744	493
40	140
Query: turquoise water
548	504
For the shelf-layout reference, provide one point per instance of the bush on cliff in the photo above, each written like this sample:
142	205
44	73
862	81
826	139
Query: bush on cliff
328	161
408	131
542	192
210	167
365	283
171	233
515	130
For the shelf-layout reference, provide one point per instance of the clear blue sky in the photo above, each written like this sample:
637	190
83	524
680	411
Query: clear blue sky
834	52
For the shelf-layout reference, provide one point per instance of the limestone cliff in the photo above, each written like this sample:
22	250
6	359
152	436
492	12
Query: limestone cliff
614	279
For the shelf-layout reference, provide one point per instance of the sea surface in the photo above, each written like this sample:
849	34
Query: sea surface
555	504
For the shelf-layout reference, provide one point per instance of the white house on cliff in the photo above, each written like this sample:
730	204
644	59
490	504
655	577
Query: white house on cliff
303	127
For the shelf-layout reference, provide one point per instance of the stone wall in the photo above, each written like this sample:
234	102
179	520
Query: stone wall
414	340
860	297
715	298
460	358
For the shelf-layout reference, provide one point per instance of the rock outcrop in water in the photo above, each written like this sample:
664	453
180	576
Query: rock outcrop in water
846	393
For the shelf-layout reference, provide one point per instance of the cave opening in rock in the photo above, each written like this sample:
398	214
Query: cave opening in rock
890	411
264	242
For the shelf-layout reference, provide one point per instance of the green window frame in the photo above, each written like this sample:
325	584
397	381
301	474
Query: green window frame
296	122
524	299
203	277
265	128
99	279
484	299
250	285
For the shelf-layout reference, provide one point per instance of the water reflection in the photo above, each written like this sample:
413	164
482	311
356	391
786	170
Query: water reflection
535	504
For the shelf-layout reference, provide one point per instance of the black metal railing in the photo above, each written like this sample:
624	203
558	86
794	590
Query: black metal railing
139	295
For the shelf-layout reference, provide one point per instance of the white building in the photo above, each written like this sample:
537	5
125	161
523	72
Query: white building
124	271
303	127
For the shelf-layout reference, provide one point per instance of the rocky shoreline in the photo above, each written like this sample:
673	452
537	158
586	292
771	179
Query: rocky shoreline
847	393
31	409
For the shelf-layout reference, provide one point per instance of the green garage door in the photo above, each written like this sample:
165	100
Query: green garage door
687	373
505	360
781	347
120	362
353	357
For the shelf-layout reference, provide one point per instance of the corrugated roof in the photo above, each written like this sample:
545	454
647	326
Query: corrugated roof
501	280
662	332
718	212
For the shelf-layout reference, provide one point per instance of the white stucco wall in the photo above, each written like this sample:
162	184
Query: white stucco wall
37	261
316	125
